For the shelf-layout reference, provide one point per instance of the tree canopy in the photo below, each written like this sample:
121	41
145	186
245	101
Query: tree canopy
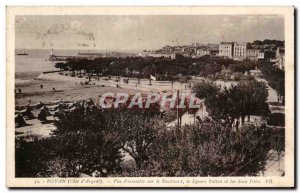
142	67
90	141
245	99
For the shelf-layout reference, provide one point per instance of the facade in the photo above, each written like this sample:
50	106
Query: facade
280	52
167	49
239	50
178	49
173	56
252	54
233	50
226	49
261	55
161	55
202	52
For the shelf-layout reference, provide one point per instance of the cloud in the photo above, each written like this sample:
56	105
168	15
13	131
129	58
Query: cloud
73	27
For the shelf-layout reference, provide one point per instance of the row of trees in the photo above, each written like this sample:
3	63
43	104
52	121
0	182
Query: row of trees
268	42
203	66
85	142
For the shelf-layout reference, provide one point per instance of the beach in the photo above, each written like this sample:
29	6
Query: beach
66	89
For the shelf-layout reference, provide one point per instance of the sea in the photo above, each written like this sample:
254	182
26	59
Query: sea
36	62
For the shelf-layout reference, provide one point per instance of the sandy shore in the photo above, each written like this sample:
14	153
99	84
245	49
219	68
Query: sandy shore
67	88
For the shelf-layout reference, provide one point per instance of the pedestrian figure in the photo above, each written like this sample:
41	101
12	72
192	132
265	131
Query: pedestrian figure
53	89
41	86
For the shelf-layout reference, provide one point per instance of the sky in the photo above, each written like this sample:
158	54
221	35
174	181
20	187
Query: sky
141	32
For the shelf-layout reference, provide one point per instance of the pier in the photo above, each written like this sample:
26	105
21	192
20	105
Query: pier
54	57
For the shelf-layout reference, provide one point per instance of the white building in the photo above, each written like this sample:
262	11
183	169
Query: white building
202	52
252	54
280	57
160	55
226	49
239	50
261	55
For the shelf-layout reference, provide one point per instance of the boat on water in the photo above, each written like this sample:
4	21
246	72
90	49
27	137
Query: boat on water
22	54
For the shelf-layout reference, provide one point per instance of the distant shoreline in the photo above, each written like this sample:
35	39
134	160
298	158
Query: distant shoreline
77	49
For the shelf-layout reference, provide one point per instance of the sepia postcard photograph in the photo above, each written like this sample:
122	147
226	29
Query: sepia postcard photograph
150	97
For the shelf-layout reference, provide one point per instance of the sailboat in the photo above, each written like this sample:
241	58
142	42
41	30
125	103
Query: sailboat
22	54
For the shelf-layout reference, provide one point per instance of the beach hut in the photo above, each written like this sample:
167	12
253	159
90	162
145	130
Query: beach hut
42	116
26	112
59	111
56	102
19	120
37	105
71	109
53	107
